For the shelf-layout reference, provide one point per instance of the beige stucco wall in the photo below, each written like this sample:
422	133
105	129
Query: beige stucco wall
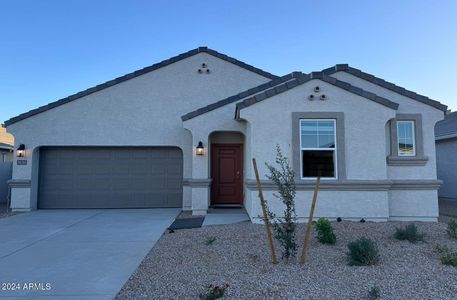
364	127
5	137
365	156
219	120
143	111
429	114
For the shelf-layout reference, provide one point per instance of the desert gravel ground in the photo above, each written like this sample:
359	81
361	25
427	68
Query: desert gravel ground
3	212
181	265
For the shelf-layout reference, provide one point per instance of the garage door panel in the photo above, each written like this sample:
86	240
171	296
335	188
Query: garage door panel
109	177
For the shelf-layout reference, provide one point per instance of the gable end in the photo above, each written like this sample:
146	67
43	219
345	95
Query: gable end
385	84
136	74
308	77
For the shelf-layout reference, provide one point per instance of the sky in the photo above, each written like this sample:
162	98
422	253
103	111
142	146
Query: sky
50	49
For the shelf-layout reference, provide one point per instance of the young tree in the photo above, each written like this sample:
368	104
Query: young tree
284	226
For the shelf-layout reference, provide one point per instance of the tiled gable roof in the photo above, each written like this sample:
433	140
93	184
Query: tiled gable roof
240	96
307	77
385	84
136	74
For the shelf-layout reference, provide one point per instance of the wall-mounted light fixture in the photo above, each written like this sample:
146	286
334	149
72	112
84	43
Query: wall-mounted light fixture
200	150
20	152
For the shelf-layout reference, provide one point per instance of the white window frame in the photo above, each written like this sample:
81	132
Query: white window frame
413	127
335	152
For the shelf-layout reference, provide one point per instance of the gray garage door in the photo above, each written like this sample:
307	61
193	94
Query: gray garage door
108	177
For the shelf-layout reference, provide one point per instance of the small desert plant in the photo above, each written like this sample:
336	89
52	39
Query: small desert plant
284	227
374	293
452	229
325	233
410	233
214	292
210	240
363	252
446	256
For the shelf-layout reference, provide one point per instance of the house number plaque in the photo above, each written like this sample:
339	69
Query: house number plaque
21	162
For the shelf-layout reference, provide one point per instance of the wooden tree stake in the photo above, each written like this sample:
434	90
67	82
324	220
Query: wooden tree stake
310	222
265	214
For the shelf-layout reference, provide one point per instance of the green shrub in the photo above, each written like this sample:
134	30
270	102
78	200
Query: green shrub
214	292
325	233
452	229
363	252
410	233
446	256
210	240
374	293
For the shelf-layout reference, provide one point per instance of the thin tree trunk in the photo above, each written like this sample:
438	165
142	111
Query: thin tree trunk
310	221
265	215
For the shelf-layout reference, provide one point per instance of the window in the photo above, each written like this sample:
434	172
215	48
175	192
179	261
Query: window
318	148
405	138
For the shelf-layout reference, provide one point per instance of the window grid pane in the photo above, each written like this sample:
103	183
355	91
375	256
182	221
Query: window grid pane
405	134
317	134
318	148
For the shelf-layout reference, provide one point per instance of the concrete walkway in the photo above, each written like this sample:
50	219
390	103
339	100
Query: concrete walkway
221	216
76	254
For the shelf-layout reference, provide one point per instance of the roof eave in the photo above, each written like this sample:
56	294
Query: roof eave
240	96
385	84
136	74
319	76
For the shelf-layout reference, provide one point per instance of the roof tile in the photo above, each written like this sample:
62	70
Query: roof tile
138	73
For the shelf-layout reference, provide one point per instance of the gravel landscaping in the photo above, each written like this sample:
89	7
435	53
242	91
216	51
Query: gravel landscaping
3	211
183	264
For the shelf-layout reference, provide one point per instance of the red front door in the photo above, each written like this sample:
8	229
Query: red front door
227	174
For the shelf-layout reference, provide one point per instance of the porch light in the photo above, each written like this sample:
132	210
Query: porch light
20	152
200	150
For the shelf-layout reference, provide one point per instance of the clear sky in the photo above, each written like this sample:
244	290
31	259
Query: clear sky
51	49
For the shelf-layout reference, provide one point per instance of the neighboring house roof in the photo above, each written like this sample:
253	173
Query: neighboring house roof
446	128
307	77
4	146
6	139
136	74
385	84
240	96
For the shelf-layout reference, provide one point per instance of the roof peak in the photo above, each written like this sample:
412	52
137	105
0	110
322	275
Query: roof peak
166	62
280	88
385	84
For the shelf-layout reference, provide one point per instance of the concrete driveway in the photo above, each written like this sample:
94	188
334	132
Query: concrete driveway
75	254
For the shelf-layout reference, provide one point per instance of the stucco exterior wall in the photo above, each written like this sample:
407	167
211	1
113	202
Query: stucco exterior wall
418	205
219	120
143	111
364	130
366	145
349	205
446	158
5	137
429	114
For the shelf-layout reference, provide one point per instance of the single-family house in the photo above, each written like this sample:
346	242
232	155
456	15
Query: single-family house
6	145
446	155
182	133
6	158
